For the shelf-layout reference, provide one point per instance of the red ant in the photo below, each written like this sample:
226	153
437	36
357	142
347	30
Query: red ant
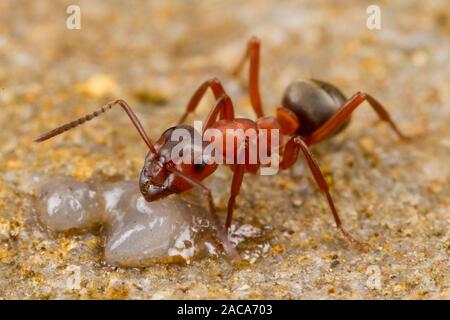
312	111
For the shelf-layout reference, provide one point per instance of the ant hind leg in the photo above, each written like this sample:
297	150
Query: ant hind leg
344	112
291	151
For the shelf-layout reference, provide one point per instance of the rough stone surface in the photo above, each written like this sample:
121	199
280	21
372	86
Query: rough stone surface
391	194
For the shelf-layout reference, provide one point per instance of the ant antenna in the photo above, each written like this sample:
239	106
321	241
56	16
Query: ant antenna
97	113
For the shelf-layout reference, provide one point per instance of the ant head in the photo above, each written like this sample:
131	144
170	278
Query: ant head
179	149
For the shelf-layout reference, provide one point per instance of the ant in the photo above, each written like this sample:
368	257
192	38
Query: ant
312	111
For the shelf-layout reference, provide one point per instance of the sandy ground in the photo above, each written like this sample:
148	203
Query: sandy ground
391	194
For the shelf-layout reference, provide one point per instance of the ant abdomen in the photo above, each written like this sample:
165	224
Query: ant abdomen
314	102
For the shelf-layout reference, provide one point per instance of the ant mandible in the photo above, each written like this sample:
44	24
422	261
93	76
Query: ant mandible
312	111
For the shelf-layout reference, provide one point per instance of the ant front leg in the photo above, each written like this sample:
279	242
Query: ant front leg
218	91
291	150
236	183
239	169
221	232
344	112
238	176
252	53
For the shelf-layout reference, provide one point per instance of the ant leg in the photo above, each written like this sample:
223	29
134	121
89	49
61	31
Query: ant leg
236	183
291	150
239	168
97	113
238	175
344	113
253	55
221	232
218	91
224	105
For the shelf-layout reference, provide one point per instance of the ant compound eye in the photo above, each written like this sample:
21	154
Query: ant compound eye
201	163
198	167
